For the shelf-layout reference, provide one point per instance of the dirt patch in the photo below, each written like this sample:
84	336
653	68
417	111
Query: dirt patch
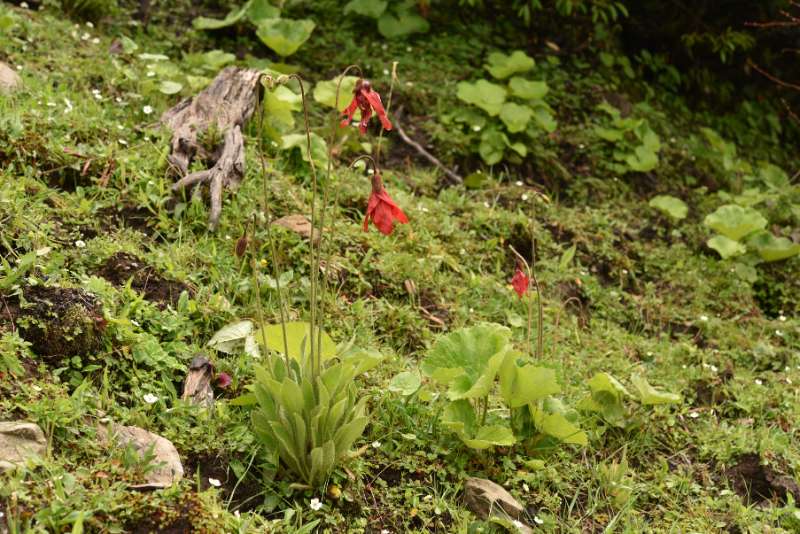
124	216
185	514
58	322
247	493
756	483
121	267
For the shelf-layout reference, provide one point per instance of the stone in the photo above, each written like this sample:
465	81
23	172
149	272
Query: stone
298	224
20	441
487	499
9	80
168	468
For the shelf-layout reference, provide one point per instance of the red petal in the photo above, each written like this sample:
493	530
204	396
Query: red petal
348	113
375	101
520	282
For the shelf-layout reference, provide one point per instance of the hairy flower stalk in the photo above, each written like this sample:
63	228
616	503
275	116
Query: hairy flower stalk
521	282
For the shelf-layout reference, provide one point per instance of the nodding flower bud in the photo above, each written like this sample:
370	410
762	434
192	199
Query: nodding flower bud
241	245
381	209
367	100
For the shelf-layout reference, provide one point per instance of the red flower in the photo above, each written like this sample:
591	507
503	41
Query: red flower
223	380
520	282
381	209
367	100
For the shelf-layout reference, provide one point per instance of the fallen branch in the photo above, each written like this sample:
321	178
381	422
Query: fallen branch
224	106
424	153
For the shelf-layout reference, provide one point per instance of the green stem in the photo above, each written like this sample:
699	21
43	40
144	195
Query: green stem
388	107
325	204
271	240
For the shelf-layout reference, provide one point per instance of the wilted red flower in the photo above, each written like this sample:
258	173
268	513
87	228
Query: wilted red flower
520	282
381	209
223	380
367	100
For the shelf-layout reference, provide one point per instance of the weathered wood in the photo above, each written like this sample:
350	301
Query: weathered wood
224	106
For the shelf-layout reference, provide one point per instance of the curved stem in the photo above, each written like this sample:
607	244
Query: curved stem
388	107
325	206
271	240
313	351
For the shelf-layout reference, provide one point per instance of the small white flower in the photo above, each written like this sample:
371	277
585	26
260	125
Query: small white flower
714	368
135	323
96	40
519	183
759	382
581	146
385	72
118	100
694	415
778	333
19	67
538	520
80	244
486	205
120	127
782	318
408	49
386	531
525	486
704	318
789	381
524	197
123	142
89	25
51	104
149	398
315	504
649	353
85	37
150	73
476	128
147	110
376	444
214	482
23	5
69	105
409	84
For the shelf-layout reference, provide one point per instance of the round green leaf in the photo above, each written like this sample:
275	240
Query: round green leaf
325	91
502	66
672	206
367	8
170	88
486	95
284	36
527	89
735	222
468	359
772	248
297	338
405	23
726	247
515	117
406	383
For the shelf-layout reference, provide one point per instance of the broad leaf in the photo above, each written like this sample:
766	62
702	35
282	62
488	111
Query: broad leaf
650	395
325	92
258	10
206	23
230	337
735	222
284	36
502	66
169	87
367	8
772	248
486	95
726	247
319	149
672	206
492	146
297	336
527	89
559	427
406	383
544	119
515	117
459	417
468	359
643	159
521	385
404	23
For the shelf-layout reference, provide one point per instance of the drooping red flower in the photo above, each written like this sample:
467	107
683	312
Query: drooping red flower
381	209
223	380
520	282
367	100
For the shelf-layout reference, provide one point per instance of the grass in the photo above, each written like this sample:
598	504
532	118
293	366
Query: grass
641	294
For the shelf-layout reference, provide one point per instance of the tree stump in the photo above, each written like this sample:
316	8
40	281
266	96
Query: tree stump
223	107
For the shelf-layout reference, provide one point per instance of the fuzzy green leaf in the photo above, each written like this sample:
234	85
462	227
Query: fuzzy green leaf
735	222
672	206
502	66
650	395
486	95
367	8
726	247
284	36
528	89
515	117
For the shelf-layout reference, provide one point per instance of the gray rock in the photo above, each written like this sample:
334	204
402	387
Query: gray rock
168	468
20	441
9	80
487	499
